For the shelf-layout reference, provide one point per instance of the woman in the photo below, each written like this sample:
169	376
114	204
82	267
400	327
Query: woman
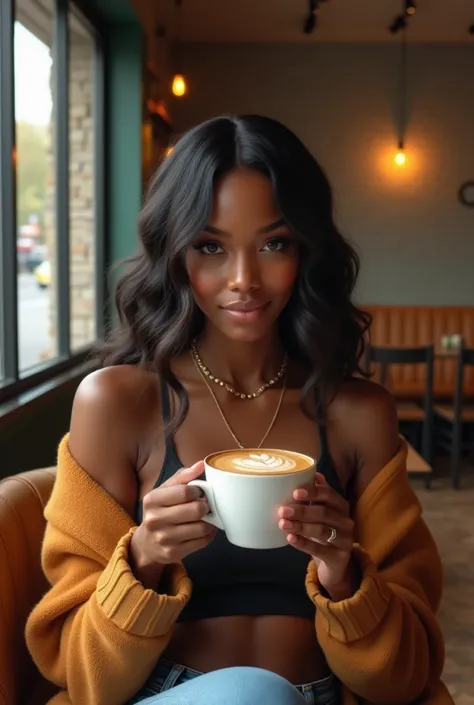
241	289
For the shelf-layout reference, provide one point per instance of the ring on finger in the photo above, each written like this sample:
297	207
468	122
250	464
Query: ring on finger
333	535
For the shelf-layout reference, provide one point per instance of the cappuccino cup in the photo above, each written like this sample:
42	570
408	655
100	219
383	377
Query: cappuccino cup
245	487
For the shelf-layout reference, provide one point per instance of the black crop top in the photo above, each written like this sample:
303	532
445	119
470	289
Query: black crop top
230	580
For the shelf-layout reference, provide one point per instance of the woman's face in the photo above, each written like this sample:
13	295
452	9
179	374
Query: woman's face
243	265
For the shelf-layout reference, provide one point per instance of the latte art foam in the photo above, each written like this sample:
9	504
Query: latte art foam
262	462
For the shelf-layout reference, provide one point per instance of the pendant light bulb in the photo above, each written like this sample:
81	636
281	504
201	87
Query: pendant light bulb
400	157
179	86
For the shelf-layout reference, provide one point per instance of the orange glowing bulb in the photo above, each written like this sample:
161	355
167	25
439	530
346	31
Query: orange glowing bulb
400	158
179	86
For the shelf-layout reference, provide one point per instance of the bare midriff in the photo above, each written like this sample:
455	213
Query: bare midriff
282	644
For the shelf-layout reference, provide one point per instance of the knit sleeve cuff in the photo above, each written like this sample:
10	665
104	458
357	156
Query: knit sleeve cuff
133	608
357	616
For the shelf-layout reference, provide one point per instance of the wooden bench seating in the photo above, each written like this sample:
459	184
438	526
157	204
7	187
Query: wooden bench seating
416	465
410	326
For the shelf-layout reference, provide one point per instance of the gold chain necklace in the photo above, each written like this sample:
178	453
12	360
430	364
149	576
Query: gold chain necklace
208	375
228	426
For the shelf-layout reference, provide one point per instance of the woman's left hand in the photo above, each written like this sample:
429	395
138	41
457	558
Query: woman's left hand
317	515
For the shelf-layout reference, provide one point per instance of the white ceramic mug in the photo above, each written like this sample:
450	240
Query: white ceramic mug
245	504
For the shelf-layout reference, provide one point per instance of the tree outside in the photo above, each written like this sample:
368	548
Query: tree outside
32	173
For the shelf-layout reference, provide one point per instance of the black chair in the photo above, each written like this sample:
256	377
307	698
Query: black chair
411	413
455	424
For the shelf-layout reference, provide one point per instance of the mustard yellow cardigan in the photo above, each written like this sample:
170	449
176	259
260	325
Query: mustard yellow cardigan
97	633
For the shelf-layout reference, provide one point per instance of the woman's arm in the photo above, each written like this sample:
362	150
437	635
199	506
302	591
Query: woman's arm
98	632
384	642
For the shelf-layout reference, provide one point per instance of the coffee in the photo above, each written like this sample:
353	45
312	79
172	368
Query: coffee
253	461
245	488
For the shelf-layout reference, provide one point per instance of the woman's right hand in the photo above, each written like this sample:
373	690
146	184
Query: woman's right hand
172	525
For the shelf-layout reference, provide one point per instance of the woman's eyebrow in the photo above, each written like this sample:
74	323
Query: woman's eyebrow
213	231
265	230
273	226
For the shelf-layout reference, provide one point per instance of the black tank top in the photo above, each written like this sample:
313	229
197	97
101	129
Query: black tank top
229	580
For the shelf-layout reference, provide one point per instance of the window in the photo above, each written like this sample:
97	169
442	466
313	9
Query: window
35	192
52	186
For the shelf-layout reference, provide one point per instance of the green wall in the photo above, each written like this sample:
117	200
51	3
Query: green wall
125	43
114	10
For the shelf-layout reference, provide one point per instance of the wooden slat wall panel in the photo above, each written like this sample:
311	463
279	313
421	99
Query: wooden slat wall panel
407	326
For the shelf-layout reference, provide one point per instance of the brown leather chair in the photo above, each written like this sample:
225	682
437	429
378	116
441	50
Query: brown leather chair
22	583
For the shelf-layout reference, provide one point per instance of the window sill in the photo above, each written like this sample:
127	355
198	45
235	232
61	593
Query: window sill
19	402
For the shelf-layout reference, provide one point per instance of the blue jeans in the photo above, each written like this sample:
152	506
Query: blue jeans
172	684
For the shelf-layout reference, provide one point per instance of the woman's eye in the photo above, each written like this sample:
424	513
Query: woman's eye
210	248
277	244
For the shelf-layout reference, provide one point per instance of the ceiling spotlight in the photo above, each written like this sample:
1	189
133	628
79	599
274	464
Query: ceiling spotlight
410	7
311	21
398	24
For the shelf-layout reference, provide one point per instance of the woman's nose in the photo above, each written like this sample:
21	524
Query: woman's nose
244	273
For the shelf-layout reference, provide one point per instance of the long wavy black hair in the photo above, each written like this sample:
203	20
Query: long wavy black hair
158	317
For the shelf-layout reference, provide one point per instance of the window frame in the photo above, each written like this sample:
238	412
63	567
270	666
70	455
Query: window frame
16	382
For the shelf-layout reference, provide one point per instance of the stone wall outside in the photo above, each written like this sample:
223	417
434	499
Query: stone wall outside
82	229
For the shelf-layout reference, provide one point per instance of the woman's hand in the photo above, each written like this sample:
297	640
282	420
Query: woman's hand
309	524
172	525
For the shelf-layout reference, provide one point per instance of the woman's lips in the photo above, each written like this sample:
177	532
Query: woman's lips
247	314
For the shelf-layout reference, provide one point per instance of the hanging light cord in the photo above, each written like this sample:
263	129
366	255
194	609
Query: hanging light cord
311	20
178	24
403	86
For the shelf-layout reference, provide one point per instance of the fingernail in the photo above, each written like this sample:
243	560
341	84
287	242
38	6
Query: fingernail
286	512
301	494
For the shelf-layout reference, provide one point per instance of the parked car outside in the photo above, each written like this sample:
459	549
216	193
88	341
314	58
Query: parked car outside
35	257
43	274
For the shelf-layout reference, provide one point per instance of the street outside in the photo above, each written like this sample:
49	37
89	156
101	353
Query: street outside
33	321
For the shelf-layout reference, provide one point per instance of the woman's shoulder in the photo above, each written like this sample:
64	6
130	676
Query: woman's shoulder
359	403
115	410
119	385
125	394
364	394
365	415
